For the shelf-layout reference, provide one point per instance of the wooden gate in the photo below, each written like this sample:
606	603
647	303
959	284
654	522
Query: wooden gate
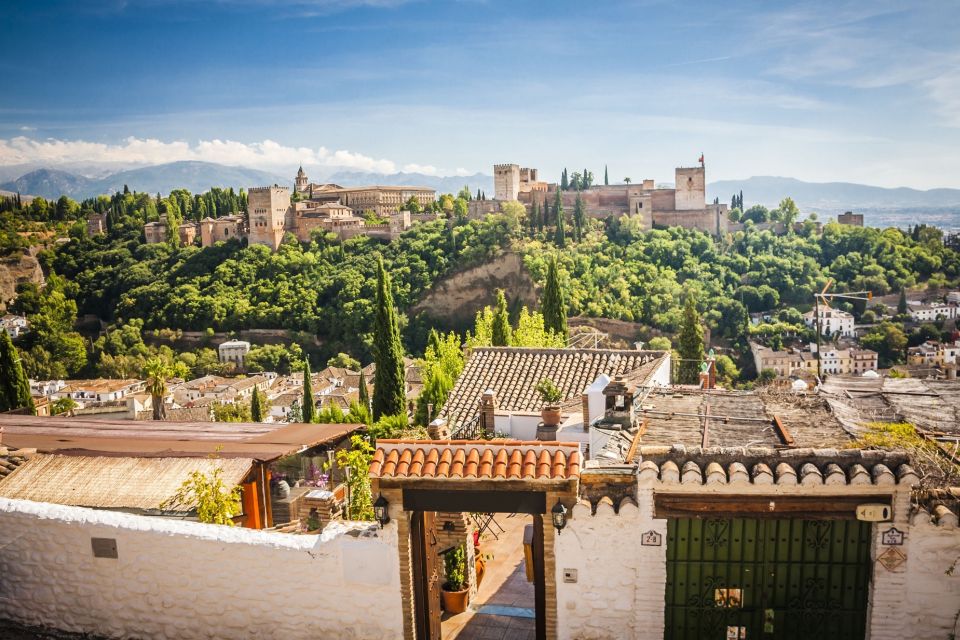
770	579
426	563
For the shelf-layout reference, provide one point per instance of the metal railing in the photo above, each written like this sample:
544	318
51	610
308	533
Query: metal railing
470	430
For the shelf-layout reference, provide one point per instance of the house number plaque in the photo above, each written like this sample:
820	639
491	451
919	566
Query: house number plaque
651	539
892	537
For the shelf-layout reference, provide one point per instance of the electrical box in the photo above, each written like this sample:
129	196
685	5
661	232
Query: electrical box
570	575
874	512
104	547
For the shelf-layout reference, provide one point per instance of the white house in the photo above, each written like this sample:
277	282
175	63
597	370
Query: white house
832	321
930	312
234	351
14	325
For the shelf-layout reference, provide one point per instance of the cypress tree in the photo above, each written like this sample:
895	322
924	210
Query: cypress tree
14	386
690	344
364	394
309	408
564	181
501	322
560	237
389	382
902	303
606	176
256	406
544	214
579	218
553	305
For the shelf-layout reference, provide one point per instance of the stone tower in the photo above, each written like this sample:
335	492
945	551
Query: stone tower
506	181
301	181
267	209
691	188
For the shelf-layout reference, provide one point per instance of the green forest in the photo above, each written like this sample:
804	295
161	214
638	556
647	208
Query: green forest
326	288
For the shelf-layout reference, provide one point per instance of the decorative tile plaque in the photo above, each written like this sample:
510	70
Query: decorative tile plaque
891	559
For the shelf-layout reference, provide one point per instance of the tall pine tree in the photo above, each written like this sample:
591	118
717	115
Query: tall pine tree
14	386
309	407
389	382
552	304
501	322
560	237
690	345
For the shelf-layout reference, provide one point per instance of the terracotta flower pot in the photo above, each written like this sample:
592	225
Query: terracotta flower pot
550	414
455	601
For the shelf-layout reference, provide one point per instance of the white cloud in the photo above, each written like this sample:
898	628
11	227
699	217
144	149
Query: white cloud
27	128
141	151
426	169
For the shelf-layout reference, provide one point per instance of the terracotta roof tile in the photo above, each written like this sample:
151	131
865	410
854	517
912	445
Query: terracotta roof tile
480	459
513	373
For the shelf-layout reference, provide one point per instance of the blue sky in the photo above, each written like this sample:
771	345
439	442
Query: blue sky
855	91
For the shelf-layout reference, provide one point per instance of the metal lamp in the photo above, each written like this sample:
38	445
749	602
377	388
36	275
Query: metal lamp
559	515
380	510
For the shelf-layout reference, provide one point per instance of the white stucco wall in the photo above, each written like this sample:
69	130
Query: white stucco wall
619	589
187	580
933	595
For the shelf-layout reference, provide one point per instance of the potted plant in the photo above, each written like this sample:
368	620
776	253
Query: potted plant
551	396
455	589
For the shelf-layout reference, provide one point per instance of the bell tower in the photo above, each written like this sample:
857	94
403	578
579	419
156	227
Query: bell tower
301	182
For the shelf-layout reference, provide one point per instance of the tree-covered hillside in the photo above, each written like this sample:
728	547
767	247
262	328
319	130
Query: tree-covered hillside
326	287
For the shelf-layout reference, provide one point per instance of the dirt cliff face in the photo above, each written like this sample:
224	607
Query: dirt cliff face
458	297
16	271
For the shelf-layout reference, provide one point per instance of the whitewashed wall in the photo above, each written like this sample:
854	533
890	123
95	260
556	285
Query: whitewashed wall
918	599
619	591
187	580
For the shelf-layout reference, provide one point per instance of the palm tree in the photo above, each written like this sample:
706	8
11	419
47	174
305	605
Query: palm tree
158	372
626	181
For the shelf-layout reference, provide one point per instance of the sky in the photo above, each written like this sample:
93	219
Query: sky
821	91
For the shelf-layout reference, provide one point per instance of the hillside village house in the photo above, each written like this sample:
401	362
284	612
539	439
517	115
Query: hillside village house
663	512
14	325
212	388
234	351
795	363
832	321
84	392
920	312
933	352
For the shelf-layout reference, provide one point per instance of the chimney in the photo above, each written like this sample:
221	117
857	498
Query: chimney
951	371
618	396
488	407
438	430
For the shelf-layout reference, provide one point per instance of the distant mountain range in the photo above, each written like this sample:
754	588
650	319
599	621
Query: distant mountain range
832	197
196	177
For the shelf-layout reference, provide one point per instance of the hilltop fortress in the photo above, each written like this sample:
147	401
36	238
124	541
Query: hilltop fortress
376	211
684	205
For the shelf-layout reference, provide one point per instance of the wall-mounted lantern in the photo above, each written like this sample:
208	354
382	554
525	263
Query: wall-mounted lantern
380	510
559	514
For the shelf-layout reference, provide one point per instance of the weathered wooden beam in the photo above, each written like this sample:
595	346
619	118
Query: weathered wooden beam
782	432
759	506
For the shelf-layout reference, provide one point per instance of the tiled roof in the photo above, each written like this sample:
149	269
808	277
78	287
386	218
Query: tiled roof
768	466
513	373
476	459
10	459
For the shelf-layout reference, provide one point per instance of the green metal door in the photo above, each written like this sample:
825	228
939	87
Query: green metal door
769	579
